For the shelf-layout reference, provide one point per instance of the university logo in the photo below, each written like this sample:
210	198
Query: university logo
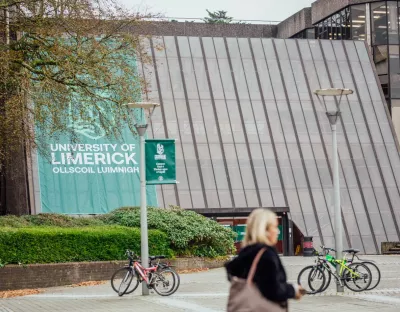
160	152
93	130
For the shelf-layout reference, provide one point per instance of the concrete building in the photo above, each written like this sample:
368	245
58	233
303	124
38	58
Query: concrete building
251	133
375	22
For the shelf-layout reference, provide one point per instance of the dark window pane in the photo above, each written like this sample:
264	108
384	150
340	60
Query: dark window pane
379	23
358	13
394	71
384	79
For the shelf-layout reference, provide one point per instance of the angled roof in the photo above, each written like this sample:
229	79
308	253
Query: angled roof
252	133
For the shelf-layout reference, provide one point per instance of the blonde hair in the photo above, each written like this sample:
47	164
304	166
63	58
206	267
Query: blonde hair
258	224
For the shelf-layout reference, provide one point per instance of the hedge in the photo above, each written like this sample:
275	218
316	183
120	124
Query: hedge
30	245
190	233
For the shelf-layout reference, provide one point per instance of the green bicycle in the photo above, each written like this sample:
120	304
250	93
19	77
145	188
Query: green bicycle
355	276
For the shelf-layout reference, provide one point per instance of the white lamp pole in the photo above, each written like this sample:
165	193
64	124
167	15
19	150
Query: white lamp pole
333	117
141	127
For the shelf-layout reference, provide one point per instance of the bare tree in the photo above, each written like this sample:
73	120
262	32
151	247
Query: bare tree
65	64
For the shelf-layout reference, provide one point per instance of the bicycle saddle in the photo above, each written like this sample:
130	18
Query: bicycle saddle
157	257
352	250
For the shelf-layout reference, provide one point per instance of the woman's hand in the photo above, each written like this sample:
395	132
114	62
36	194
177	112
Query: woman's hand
300	292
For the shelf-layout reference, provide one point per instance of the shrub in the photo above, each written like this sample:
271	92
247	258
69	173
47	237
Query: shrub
50	244
48	219
189	232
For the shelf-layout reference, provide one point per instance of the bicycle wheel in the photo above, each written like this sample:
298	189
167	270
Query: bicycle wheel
312	279
375	274
177	279
121	281
163	282
328	279
358	279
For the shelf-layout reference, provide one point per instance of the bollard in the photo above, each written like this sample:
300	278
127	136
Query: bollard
308	247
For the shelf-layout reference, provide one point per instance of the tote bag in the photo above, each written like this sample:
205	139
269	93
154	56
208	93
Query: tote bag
244	296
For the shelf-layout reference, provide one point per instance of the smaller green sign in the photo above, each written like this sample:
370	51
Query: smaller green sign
280	236
160	161
240	231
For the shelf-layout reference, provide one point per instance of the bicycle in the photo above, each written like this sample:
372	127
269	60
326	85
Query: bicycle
152	276
348	274
370	264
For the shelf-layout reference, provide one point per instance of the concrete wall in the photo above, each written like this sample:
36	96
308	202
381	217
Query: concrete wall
204	30
294	24
325	8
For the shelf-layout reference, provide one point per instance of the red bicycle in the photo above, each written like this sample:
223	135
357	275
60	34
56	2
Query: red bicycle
160	276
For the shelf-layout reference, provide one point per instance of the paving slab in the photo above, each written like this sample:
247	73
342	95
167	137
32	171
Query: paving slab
208	292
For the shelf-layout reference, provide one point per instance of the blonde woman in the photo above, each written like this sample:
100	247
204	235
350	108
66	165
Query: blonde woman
270	277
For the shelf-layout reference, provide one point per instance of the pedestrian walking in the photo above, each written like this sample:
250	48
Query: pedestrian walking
258	279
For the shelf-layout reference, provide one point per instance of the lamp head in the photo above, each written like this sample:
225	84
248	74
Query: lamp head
142	112
330	104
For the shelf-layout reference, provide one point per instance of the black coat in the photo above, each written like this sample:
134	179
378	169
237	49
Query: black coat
270	276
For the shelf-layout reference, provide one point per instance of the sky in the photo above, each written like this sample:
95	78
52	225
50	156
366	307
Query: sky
267	10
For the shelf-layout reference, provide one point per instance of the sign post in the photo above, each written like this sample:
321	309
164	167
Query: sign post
160	161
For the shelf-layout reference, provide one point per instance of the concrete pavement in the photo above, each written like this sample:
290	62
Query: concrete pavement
207	292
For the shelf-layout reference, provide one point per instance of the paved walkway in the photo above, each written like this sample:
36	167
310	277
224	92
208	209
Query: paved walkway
207	292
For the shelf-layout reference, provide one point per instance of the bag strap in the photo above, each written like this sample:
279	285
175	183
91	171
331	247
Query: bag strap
254	266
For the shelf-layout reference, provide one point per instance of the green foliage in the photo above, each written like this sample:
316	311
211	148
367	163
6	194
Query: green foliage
189	232
55	244
217	17
48	219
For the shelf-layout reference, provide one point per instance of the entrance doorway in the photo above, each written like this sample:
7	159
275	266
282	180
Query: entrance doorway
238	225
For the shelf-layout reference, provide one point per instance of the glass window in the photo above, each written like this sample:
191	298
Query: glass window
358	22
379	23
328	25
393	22
310	33
346	24
394	65
381	59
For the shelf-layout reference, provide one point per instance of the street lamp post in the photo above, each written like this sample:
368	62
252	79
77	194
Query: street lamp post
333	116
143	114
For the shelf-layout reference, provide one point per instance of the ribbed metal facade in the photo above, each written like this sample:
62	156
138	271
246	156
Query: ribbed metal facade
251	133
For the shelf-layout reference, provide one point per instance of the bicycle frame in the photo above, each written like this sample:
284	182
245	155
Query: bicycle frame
143	272
332	262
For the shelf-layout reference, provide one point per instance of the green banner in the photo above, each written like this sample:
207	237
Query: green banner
91	177
160	161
